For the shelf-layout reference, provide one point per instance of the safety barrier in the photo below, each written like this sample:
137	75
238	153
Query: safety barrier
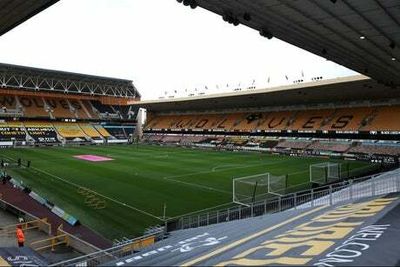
38	224
332	194
104	256
51	243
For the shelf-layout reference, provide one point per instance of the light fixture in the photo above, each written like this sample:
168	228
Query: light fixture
362	37
394	59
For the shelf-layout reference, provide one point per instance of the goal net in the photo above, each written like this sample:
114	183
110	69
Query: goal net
323	173
250	189
277	185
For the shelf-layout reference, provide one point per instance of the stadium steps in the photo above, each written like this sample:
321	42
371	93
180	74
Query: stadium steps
328	119
24	202
369	119
20	257
33	239
297	237
85	110
72	109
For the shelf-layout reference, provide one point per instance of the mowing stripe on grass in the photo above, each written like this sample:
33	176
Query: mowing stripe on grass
94	192
99	194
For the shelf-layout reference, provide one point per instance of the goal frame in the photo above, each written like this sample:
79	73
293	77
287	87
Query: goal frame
268	176
234	180
325	166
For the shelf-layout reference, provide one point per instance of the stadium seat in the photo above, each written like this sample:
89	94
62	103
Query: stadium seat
384	119
90	131
42	132
69	130
33	107
102	131
59	108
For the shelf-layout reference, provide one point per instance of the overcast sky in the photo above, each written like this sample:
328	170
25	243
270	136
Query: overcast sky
161	45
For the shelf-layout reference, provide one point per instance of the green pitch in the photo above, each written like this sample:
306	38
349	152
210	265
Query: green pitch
132	189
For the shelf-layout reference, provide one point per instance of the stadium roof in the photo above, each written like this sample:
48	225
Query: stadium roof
15	12
361	35
27	78
354	88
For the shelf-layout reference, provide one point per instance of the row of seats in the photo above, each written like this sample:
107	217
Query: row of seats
330	146
40	107
185	140
334	146
342	119
46	132
376	149
294	144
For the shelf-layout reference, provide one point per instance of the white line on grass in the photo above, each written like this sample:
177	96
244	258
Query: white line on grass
101	195
170	178
106	197
235	168
223	166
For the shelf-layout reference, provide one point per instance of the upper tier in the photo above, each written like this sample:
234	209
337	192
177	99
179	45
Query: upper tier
367	119
61	108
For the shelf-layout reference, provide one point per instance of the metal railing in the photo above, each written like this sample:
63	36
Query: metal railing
327	195
332	194
114	253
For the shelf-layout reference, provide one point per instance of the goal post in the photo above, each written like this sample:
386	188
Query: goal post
250	189
326	172
277	184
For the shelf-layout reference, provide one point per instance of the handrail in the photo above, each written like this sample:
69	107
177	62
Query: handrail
110	253
271	205
54	241
25	226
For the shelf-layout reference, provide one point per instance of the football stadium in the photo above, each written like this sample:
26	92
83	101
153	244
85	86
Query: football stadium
301	173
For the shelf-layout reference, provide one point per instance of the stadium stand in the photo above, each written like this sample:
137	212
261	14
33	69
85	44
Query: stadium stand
102	131
172	139
33	107
190	140
377	149
293	144
116	131
384	119
42	132
349	119
337	146
341	119
12	131
268	143
90	131
70	131
59	108
88	107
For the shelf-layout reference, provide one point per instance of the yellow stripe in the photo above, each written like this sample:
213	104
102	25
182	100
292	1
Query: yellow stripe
246	239
4	263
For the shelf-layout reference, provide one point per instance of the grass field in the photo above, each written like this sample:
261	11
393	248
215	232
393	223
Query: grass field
139	180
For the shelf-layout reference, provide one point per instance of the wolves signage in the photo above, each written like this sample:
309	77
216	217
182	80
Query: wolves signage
36	102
